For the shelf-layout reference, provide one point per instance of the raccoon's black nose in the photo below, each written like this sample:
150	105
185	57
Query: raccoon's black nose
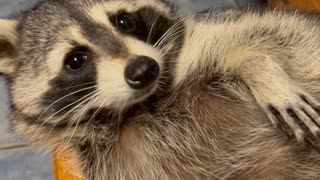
142	72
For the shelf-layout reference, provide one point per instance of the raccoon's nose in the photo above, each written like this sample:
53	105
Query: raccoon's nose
142	72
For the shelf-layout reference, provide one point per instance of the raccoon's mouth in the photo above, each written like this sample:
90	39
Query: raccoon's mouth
141	95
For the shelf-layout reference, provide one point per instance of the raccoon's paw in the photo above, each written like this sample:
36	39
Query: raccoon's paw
297	114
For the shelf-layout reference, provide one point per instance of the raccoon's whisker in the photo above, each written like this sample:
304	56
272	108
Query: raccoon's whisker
113	94
70	111
79	118
75	92
161	87
56	123
83	84
65	107
162	83
93	116
84	109
58	120
119	91
169	38
172	28
170	35
208	17
85	100
152	28
164	37
173	52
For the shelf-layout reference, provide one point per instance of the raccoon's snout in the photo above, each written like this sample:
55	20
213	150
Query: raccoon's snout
141	72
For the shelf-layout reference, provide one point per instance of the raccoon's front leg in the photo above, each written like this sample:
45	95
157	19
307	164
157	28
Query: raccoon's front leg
285	103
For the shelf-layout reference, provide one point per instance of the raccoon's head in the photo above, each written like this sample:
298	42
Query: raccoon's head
66	58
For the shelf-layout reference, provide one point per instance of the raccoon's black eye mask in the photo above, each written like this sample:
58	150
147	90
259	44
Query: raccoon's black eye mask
76	59
146	24
127	23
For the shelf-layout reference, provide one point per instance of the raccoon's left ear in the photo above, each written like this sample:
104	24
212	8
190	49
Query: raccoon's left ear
8	42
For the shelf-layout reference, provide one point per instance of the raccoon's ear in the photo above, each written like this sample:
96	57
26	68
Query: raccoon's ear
8	39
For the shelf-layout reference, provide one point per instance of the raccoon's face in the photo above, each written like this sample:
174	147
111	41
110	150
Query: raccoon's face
75	56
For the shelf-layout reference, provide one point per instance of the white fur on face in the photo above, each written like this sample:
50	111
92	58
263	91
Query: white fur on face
7	30
7	34
112	87
6	66
28	91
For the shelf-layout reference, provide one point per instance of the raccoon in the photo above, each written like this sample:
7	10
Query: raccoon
138	91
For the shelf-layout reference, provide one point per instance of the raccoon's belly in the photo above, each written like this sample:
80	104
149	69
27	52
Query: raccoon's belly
201	137
209	138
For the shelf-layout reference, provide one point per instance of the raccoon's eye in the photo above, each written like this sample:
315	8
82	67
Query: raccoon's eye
125	22
77	58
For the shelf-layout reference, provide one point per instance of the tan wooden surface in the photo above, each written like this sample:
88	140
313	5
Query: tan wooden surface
65	166
304	5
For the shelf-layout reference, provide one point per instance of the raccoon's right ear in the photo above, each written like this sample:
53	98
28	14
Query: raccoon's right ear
8	42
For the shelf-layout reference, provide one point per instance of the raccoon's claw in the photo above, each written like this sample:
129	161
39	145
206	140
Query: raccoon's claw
299	117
